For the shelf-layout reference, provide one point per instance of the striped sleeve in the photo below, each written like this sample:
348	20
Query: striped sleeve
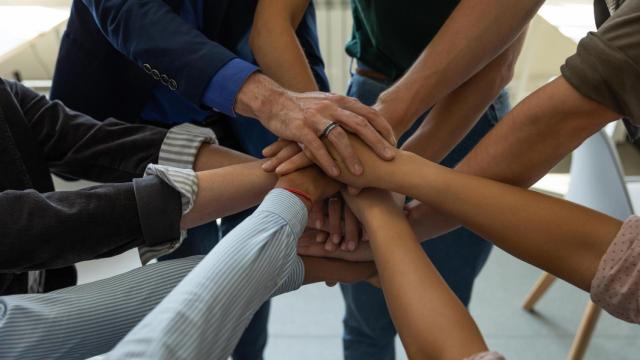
186	183
205	315
182	143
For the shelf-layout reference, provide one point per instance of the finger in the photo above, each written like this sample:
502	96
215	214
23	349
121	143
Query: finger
353	190
285	154
330	247
299	161
320	153
335	219
276	147
338	137
351	229
361	127
321	237
373	117
316	216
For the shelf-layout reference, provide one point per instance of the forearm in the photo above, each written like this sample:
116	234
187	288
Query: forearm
211	157
228	190
431	321
452	118
318	269
560	237
528	142
276	47
475	33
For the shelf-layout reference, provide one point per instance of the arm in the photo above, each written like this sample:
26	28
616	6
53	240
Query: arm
527	143
150	33
456	113
234	279
77	145
558	236
275	44
475	33
431	321
278	51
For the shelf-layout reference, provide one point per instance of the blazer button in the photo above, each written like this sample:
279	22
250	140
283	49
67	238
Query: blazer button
173	85
147	68
164	79
155	74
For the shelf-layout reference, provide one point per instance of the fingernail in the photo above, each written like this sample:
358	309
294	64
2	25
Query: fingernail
319	238
343	247
352	245
358	169
335	171
318	224
267	164
335	239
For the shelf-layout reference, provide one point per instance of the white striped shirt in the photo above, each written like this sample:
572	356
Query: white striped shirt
205	315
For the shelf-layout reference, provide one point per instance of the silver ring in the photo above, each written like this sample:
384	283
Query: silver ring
328	129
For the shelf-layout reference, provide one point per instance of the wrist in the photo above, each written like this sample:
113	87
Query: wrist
257	95
388	106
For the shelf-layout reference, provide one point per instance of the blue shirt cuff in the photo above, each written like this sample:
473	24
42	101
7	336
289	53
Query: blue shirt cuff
225	85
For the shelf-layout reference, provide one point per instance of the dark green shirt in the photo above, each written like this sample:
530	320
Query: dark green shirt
389	35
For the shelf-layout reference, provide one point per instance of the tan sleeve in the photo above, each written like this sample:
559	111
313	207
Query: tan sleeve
606	66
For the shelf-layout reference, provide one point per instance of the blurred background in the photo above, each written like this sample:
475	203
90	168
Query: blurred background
307	324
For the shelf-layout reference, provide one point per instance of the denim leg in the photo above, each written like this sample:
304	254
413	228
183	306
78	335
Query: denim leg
254	339
459	256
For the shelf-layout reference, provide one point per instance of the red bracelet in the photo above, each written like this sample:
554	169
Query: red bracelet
300	193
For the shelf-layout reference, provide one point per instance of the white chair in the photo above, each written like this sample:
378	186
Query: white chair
597	182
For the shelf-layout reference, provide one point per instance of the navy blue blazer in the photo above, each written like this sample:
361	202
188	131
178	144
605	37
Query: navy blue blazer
109	43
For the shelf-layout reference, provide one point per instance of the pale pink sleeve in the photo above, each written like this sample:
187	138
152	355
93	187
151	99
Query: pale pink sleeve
489	355
616	285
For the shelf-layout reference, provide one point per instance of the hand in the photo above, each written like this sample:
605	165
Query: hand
333	271
370	201
307	246
373	176
337	226
301	117
312	182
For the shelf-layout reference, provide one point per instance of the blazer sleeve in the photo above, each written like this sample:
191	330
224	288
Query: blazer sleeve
50	230
78	146
152	35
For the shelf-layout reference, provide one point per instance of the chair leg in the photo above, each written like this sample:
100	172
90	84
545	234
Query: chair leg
583	336
538	290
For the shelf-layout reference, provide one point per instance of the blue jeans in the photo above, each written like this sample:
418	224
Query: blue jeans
459	255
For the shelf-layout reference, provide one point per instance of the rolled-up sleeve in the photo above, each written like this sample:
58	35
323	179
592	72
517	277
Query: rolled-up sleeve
181	145
606	66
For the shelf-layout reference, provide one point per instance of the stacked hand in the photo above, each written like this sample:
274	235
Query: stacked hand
304	117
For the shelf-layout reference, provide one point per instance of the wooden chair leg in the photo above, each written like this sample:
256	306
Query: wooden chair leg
538	290
583	336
